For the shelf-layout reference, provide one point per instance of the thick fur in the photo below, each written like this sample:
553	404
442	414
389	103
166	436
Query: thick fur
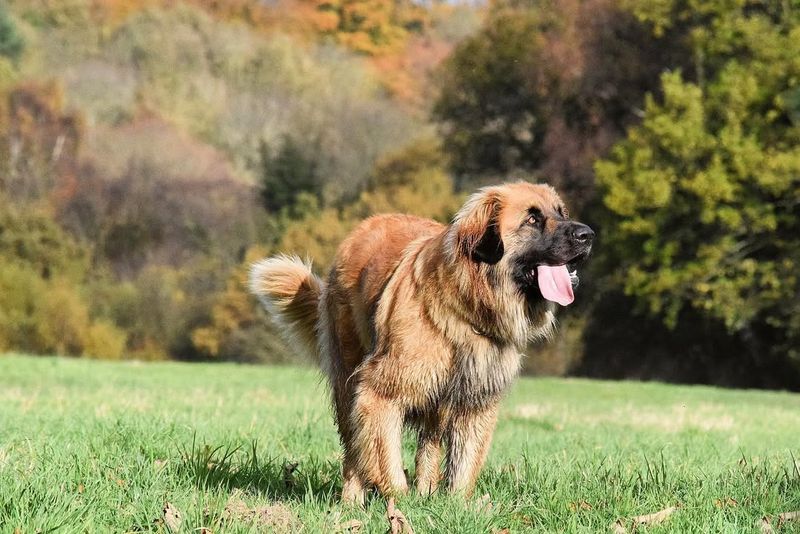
420	323
290	292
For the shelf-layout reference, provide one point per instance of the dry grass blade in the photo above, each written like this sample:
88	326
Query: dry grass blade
397	520
277	516
484	503
172	517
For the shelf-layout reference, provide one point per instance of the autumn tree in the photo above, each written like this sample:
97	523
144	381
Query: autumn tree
369	26
545	88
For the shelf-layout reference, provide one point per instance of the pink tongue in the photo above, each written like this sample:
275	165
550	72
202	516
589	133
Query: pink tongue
555	284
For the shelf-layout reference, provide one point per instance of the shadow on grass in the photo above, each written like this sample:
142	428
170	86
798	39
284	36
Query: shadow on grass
277	478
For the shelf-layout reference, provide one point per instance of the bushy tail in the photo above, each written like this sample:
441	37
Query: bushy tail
290	292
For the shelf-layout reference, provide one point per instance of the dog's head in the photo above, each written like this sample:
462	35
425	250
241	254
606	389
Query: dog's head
523	231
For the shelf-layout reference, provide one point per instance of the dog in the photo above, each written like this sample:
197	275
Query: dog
420	323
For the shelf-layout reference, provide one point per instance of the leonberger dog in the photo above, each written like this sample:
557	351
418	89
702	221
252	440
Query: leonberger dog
423	324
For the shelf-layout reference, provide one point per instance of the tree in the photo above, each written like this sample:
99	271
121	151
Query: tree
42	306
546	88
11	43
703	198
286	175
371	27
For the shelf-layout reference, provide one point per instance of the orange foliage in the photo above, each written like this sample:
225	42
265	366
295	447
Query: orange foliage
406	74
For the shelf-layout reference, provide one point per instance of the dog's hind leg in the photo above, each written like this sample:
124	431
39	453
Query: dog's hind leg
377	424
353	490
469	437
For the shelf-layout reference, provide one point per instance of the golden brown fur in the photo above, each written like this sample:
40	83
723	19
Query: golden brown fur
415	326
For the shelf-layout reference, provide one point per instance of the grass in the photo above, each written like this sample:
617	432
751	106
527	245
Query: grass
97	447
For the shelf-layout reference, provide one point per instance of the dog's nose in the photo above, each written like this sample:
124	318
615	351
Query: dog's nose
582	233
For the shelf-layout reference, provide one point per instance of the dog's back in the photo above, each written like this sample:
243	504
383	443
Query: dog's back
308	308
364	264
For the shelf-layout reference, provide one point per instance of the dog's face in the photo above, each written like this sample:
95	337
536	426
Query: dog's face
523	230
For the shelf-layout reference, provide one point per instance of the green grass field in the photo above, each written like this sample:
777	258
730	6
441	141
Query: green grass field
101	447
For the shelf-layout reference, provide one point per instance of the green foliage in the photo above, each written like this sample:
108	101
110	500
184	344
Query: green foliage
30	238
493	112
42	274
161	307
287	174
11	42
703	196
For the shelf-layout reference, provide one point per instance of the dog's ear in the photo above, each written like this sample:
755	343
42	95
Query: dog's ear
477	230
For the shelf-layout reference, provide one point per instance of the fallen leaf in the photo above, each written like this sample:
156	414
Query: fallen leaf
81	488
397	520
726	502
765	523
172	517
354	525
580	505
656	518
618	527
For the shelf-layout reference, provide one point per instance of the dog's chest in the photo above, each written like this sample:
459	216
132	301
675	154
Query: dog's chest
480	378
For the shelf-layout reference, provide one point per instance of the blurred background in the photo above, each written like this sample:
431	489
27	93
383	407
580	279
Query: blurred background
151	149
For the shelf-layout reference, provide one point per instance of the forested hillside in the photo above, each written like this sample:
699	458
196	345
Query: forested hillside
150	149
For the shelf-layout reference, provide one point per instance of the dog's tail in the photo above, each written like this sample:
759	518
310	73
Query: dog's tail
290	292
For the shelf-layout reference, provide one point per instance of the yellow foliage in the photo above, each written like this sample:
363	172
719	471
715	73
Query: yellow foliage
232	310
104	340
62	320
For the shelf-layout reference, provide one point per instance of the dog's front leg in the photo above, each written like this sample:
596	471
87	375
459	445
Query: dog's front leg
377	441
469	436
429	452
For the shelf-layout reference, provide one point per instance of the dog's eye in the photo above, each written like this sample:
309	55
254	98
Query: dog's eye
532	220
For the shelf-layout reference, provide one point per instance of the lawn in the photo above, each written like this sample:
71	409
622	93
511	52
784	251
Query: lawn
102	447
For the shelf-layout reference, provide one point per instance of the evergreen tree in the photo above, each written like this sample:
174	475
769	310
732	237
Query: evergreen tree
703	198
287	174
